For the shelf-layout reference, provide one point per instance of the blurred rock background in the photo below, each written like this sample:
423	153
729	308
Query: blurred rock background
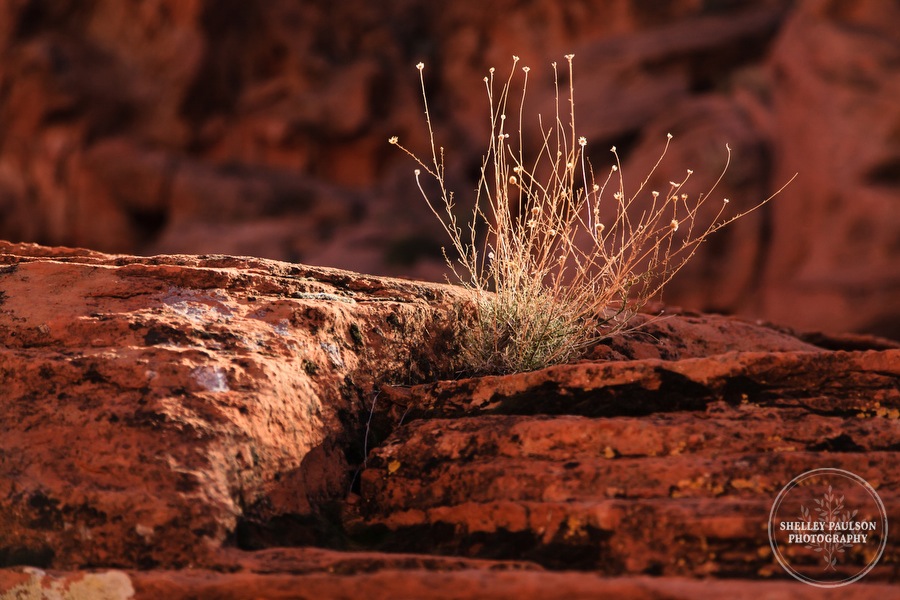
260	128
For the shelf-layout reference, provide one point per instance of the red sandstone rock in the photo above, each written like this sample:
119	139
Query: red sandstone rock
189	415
261	129
407	582
152	405
568	465
835	233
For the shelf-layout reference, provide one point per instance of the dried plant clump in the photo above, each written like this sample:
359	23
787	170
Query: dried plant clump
556	259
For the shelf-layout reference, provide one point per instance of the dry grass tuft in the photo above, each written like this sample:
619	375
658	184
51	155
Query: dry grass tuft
555	258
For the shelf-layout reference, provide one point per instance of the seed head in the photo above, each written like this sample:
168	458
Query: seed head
582	141
420	66
393	139
674	225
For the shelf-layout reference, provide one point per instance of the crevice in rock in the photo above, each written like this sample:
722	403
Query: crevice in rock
840	443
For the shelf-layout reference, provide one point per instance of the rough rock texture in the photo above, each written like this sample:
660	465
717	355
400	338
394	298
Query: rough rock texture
388	580
223	427
569	466
261	129
151	407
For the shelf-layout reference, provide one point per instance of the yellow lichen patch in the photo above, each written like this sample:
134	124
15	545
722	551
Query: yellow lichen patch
752	484
697	483
678	449
888	413
574	527
784	449
393	466
688	484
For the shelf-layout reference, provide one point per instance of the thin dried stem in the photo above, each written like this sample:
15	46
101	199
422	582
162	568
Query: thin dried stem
551	268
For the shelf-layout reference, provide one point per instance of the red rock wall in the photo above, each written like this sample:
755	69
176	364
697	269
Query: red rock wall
261	129
224	427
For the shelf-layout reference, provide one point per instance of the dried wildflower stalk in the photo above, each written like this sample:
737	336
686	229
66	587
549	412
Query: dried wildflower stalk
553	266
